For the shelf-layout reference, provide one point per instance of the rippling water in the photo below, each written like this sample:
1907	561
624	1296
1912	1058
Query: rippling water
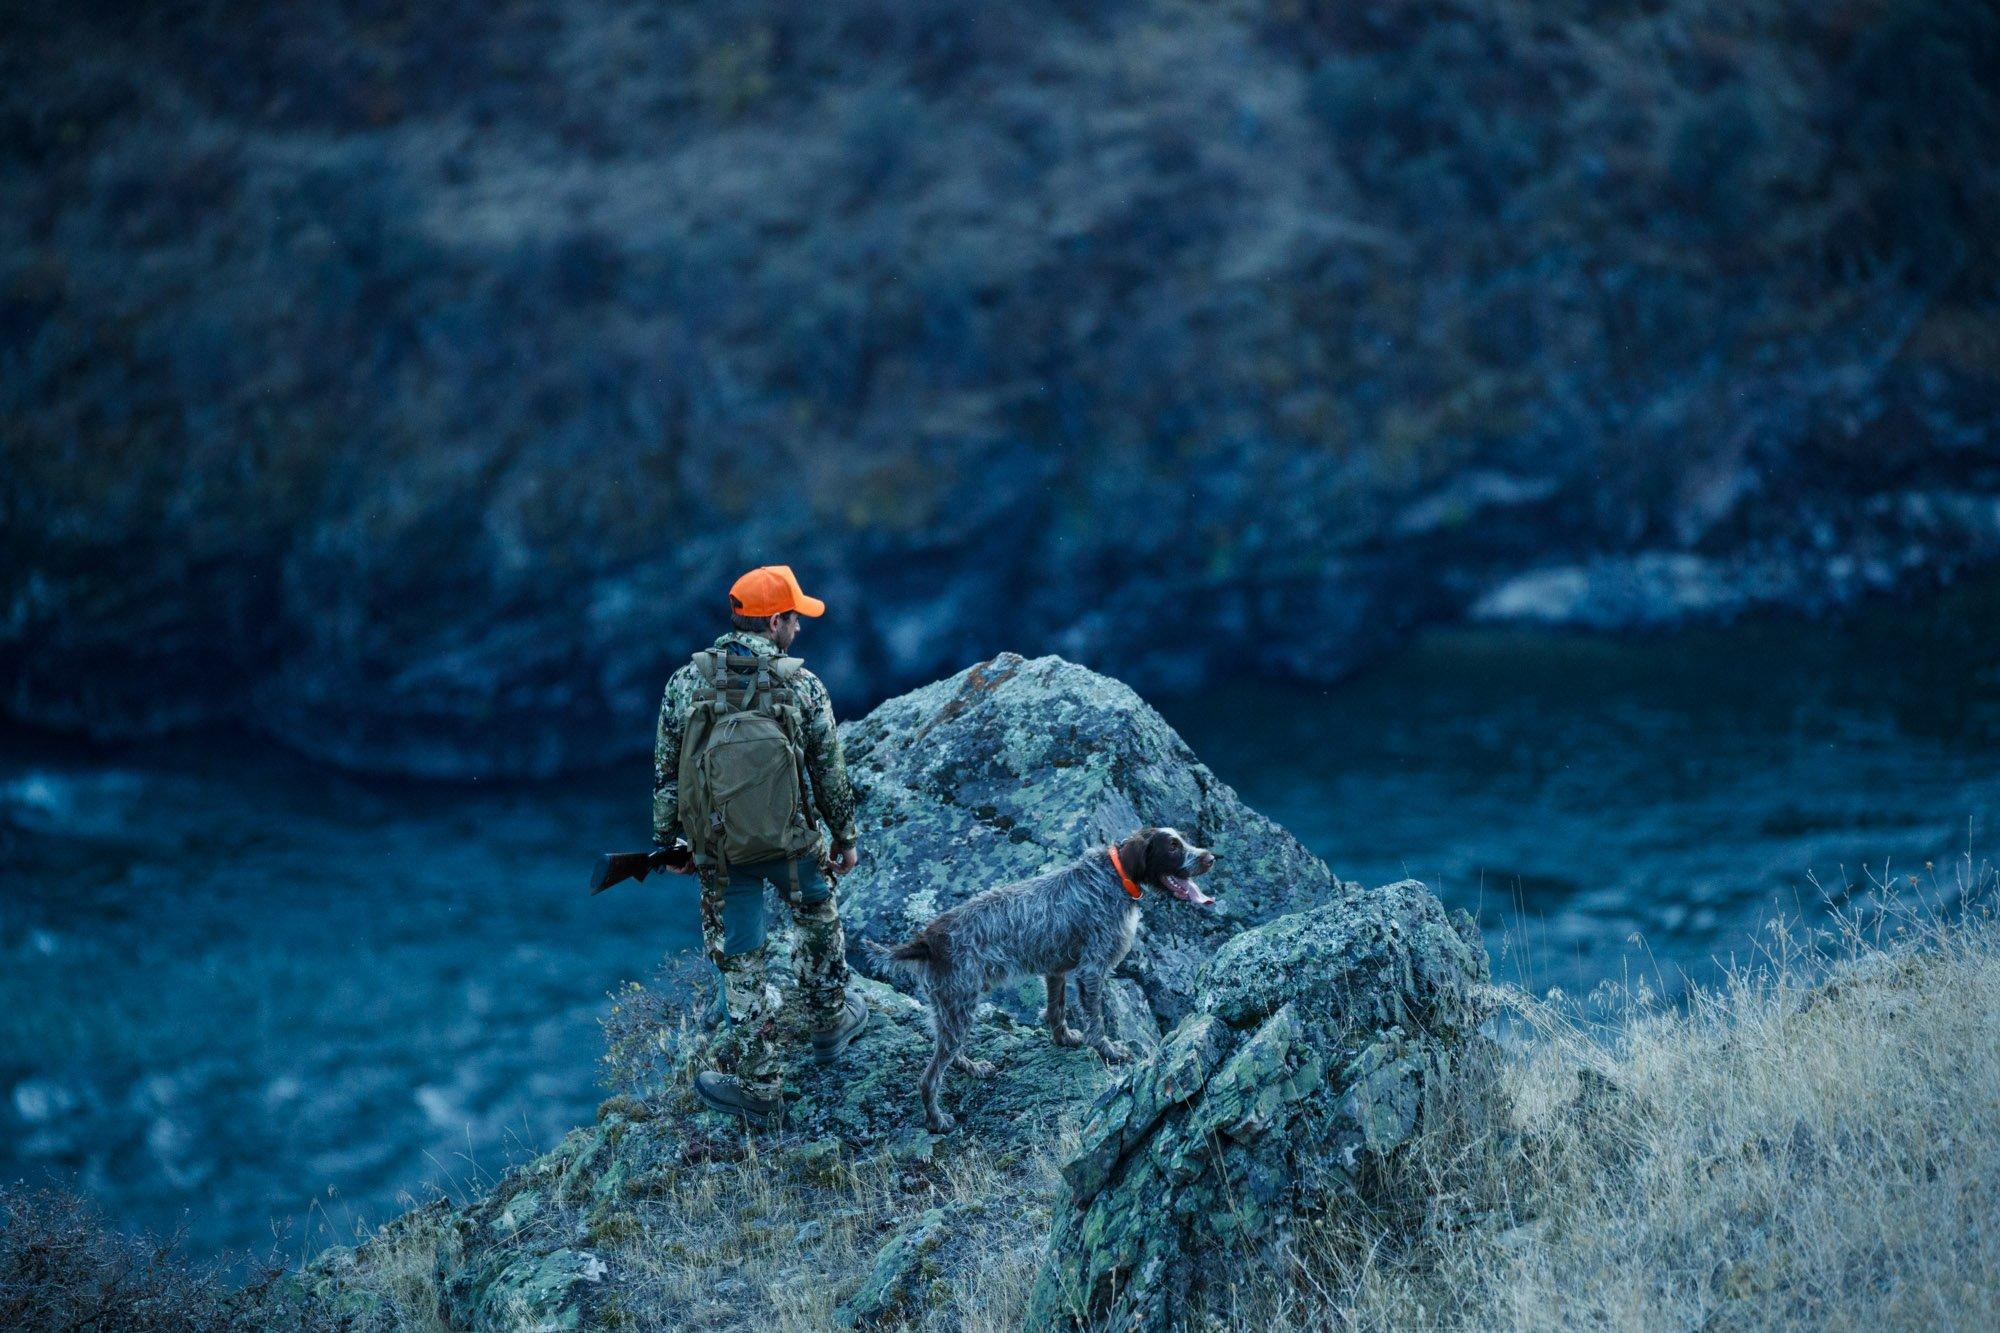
1636	811
235	988
238	988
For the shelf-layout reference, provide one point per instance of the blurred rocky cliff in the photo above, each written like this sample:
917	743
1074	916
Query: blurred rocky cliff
406	382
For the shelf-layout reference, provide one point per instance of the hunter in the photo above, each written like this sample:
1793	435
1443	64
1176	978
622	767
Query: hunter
746	769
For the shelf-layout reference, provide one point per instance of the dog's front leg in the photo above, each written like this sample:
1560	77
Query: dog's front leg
1090	993
1057	984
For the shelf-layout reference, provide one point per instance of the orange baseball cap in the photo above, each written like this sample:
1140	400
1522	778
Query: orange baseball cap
772	590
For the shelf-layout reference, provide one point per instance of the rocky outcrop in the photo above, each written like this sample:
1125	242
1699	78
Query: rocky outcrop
1317	1045
548	1246
1011	767
1305	1049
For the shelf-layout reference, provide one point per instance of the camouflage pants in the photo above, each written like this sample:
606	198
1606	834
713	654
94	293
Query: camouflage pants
733	928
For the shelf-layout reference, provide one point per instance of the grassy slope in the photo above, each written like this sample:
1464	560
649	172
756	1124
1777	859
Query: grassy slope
1811	1145
1806	1146
1796	1149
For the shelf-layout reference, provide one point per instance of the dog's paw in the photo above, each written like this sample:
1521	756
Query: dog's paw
978	1068
1067	1036
942	1123
1114	1053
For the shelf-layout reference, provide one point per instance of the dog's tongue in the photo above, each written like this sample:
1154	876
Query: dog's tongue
1186	890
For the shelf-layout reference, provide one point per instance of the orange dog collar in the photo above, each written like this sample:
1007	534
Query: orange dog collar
1130	888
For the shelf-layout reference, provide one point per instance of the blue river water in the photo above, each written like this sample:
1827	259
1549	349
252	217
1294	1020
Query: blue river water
270	1002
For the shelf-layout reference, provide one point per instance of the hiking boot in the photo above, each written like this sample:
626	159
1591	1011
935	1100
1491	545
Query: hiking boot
728	1095
829	1043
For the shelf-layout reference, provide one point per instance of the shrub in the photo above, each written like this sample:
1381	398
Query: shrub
61	1268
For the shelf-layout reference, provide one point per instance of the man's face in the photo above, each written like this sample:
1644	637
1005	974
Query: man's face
784	629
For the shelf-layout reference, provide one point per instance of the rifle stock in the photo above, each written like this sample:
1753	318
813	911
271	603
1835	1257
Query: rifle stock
617	867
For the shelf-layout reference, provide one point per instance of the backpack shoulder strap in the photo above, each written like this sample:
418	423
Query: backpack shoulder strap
785	673
731	695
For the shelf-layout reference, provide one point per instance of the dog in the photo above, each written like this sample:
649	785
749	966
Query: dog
1081	918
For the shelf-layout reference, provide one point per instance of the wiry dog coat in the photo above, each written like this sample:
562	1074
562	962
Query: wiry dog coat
1080	918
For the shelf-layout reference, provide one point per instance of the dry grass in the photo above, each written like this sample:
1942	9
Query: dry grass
778	1241
405	1271
1813	1143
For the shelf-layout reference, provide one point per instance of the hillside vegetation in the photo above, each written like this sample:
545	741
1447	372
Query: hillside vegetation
1814	1143
407	381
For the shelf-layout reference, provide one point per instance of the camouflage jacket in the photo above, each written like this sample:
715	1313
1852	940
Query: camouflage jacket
825	767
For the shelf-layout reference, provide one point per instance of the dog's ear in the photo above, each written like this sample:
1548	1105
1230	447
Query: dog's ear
1134	852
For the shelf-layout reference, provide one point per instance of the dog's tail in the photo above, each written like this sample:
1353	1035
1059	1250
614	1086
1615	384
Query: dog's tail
911	952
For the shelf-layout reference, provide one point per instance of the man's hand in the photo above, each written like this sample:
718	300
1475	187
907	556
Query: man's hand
682	861
843	860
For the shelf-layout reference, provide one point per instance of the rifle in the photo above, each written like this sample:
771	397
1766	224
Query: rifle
617	867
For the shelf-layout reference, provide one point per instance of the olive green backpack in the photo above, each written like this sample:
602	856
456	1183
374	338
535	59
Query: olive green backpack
742	770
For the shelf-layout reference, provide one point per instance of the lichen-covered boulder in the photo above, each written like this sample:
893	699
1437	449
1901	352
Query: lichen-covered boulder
546	1294
917	1258
1315	1048
1012	767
